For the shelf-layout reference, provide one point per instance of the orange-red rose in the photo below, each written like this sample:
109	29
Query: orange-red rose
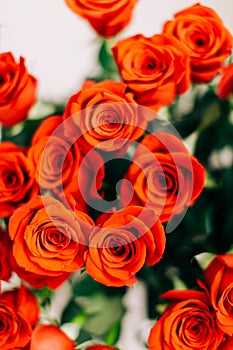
18	314
208	42
155	69
17	90
106	17
187	323
55	162
49	239
16	180
165	177
225	85
5	245
52	159
105	116
219	280
46	337
60	167
123	244
37	280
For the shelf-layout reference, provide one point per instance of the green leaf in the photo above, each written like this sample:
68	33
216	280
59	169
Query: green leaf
113	334
106	59
102	313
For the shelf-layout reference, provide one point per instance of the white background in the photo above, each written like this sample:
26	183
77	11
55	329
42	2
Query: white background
60	47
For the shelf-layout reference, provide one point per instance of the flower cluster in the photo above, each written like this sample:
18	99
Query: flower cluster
19	315
202	318
95	185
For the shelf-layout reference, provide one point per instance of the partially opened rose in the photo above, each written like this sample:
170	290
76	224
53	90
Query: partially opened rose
17	183
164	175
18	314
104	116
208	42
50	337
49	239
187	323
155	69
51	157
225	85
107	17
218	278
55	163
122	244
17	90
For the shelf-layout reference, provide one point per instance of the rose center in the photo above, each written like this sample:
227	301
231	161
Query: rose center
9	178
200	42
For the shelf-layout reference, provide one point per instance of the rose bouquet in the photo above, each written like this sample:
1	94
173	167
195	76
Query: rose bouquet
128	182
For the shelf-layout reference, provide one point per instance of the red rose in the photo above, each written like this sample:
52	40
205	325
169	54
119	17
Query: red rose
123	244
208	42
16	181
49	239
104	116
60	167
106	17
187	323
17	90
50	337
225	85
36	280
164	175
219	281
18	313
55	162
155	69
5	245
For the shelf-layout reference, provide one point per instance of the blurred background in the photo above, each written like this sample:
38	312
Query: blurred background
60	47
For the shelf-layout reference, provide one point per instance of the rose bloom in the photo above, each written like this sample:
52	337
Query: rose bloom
46	337
208	42
5	245
49	239
61	167
225	85
17	90
187	323
54	161
19	312
219	281
104	116
16	180
155	69
37	280
51	157
123	243
164	175
107	17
